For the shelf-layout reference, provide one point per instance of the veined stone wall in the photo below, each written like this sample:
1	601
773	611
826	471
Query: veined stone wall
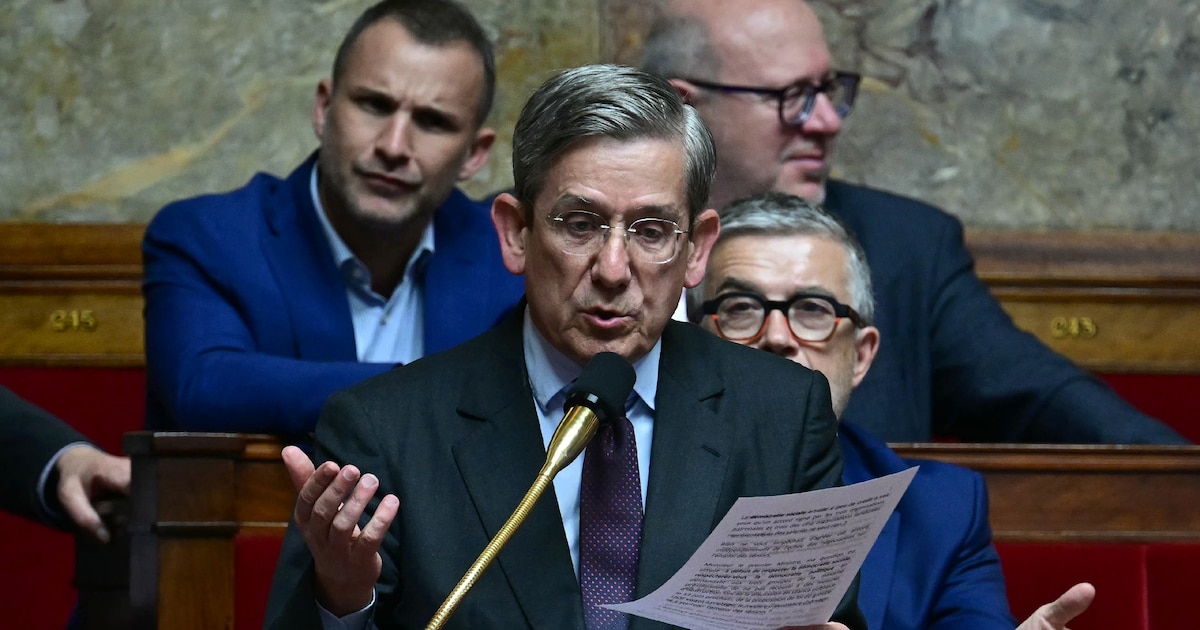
1054	114
115	107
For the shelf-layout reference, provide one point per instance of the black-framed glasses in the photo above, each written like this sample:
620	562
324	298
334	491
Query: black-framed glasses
583	233
812	318
797	101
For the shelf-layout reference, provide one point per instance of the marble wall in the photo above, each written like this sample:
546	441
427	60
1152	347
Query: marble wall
1054	114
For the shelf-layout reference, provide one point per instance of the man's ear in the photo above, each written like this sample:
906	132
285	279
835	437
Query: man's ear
700	243
320	107
686	90
866	344
509	218
477	154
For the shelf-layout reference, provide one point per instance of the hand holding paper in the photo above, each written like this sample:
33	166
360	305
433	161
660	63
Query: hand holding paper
776	562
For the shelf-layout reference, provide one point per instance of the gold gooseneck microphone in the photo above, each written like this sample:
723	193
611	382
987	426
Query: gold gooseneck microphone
598	394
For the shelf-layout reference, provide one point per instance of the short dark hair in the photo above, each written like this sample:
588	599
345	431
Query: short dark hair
608	101
434	23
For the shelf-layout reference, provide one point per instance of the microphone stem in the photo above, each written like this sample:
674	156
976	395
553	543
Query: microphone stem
491	551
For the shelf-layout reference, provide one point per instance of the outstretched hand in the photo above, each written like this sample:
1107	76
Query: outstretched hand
1056	614
330	502
85	473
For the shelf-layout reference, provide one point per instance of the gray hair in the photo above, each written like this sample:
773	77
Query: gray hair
780	214
607	101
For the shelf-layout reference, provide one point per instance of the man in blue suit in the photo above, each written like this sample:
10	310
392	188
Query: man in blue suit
263	301
760	75
786	277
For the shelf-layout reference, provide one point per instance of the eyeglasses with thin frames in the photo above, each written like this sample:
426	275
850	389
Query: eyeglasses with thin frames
582	233
795	103
812	318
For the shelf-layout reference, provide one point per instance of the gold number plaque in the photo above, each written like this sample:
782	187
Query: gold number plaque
65	321
1073	328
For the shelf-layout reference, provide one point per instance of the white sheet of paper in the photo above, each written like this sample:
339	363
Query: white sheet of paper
777	561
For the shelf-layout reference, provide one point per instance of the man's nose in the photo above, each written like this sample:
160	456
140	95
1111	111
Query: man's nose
395	139
824	118
612	264
777	336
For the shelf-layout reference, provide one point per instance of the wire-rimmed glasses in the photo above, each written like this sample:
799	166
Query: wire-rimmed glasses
582	233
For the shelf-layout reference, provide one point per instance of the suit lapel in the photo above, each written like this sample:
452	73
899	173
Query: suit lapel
498	462
302	264
689	459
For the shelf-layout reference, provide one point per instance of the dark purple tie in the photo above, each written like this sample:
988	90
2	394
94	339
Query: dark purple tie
610	524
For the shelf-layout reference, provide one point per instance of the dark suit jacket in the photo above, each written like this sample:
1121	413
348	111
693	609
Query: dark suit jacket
951	362
455	436
248	327
933	566
29	437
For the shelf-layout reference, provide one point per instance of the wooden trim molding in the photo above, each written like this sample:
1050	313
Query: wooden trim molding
1082	492
1111	302
1164	260
70	294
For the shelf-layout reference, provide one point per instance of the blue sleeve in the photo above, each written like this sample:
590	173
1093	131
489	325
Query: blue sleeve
972	591
206	367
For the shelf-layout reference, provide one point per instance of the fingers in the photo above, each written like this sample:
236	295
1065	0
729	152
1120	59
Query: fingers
376	529
1070	604
322	493
1056	614
112	474
85	472
79	508
299	466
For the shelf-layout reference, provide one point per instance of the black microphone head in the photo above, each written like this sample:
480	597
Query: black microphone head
606	382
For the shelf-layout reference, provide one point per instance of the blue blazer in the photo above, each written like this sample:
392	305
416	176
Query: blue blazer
248	327
951	362
933	566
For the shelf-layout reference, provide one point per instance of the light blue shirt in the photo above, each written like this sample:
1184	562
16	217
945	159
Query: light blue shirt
550	375
388	330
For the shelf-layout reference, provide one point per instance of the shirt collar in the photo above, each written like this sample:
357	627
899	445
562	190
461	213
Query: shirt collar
551	371
345	259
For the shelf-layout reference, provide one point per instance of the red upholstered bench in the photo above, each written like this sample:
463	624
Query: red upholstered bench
102	403
1172	398
254	566
1139	586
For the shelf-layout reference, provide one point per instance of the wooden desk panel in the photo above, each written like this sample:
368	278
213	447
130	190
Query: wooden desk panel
70	295
1113	334
1115	302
